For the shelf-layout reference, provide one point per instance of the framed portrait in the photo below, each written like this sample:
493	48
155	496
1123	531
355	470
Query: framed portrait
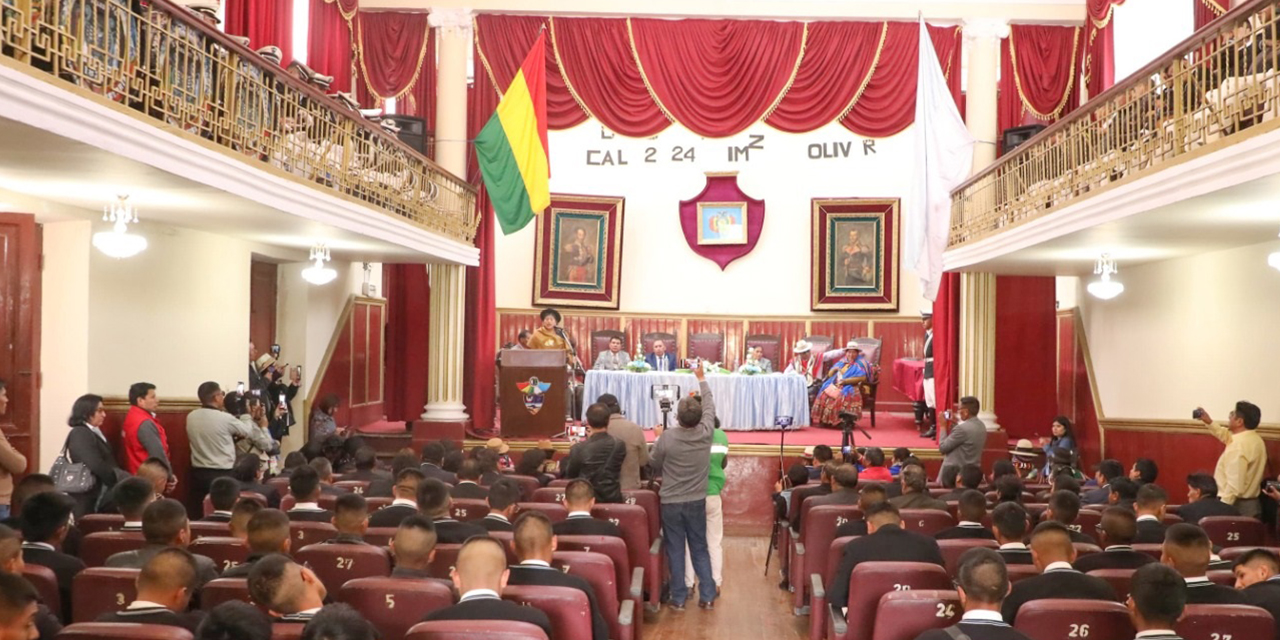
855	254
722	223
578	255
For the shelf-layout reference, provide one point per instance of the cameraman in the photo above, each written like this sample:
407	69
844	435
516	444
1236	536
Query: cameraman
682	456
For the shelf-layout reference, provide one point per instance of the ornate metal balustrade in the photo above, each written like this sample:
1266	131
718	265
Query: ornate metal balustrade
1216	88
163	63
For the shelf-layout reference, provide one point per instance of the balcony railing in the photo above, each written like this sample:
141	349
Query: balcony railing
1218	87
163	63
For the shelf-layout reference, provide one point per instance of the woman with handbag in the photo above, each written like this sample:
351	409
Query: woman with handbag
87	469
841	391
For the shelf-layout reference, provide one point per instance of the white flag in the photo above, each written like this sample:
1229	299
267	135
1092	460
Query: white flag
943	159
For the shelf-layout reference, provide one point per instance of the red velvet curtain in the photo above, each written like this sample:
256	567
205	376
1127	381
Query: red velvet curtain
946	341
838	62
264	22
1038	74
329	43
504	41
408	310
1208	10
598	68
393	49
1098	67
482	304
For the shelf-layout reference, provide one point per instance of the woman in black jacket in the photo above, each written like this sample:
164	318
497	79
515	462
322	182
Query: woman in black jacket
86	445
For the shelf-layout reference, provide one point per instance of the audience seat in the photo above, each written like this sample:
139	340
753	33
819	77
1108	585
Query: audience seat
287	631
1020	571
373	504
528	484
122	631
624	574
46	584
95	548
1056	619
379	536
394	605
556	512
872	580
466	510
443	562
97	522
1119	579
1035	510
225	552
216	592
568	608
1225	622
953	549
1088	522
287	502
647	499
817	530
926	521
597	570
559	482
470	629
1231	553
207	505
1224	577
549	494
210	529
1234	531
817	589
507	540
334	564
642	550
1153	549
1084	548
353	486
302	534
281	485
328	501
904	615
99	590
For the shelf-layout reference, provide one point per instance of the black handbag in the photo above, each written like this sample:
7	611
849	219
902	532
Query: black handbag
71	477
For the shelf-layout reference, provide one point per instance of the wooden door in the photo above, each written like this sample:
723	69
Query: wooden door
20	331
262	305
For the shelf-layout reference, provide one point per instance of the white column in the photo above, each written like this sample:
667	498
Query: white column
453	41
978	343
982	42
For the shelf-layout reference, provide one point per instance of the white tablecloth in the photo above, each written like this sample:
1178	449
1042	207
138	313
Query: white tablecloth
743	403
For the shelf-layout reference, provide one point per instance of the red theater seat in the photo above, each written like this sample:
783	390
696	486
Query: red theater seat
353	486
210	529
373	504
597	570
1225	622
556	512
1231	553
394	605
472	629
465	510
1224	577
1084	548
216	592
443	562
953	549
303	534
554	493
817	530
904	615
287	631
1021	571
281	485
46	584
926	521
568	608
648	500
122	631
1071	619
96	522
872	580
225	552
1119	579
559	482
287	501
642	550
1234	531
528	484
1153	549
95	548
99	590
624	574
335	564
1088	522
379	536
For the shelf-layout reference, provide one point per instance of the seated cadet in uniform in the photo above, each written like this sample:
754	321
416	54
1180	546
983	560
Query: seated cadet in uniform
1187	550
413	548
1053	553
1157	598
480	576
304	486
248	471
19	605
434	502
579	498
1115	532
887	541
240	515
291	592
1258	578
351	519
982	583
268	533
223	494
46	519
969	478
164	525
235	620
339	622
405	502
1150	508
324	469
11	563
131	497
973	508
165	586
468	486
870	494
1009	522
534	544
503	496
1064	508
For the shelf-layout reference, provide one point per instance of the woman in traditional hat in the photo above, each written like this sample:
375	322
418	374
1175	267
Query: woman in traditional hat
840	392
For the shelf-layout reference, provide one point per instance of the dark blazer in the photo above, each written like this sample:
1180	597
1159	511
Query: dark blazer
959	532
64	567
216	517
552	577
269	492
598	460
156	615
1210	593
580	526
1059	583
1077	536
1101	495
492	609
450	531
434	471
888	544
851	528
491	524
1016	556
242	570
652	359
918	501
1150	532
977	629
405	573
346	538
391	515
1204	507
84	446
1117	557
490	478
206	568
368	475
469	491
309	515
1265	594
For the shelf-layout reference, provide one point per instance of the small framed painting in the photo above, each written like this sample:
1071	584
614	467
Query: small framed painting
855	254
722	223
578	255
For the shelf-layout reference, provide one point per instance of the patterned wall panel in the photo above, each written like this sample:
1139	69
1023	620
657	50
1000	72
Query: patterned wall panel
511	323
353	368
900	339
732	330
841	331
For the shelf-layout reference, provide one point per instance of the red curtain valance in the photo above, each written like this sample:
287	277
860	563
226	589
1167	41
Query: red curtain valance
1038	74
1207	11
1098	67
392	49
329	43
717	77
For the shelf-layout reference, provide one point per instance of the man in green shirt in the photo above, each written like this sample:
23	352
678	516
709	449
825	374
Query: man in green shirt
715	514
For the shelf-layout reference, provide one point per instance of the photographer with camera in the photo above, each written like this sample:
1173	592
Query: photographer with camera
682	456
1244	461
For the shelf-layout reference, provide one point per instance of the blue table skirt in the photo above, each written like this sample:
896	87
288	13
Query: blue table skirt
743	403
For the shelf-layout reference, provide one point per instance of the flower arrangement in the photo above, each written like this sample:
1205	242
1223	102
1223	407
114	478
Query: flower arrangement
750	369
638	365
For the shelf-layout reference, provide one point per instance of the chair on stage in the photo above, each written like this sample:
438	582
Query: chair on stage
673	346
600	344
707	346
819	345
871	351
1060	618
771	346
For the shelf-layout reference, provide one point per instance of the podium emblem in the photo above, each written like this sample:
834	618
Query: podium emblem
535	391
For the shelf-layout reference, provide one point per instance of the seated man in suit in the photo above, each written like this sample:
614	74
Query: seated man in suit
1064	508
1150	510
19	606
534	544
405	503
351	519
289	591
240	515
268	533
887	542
468	487
982	583
434	502
503	497
324	469
579	498
660	360
1203	501
131	497
45	520
1157	598
304	486
1124	492
164	525
972	509
1187	550
1258	578
869	494
915	491
432	462
248	472
165	586
47	624
1009	523
1115	532
613	358
968	479
413	547
1107	471
845	491
1053	554
480	576
223	494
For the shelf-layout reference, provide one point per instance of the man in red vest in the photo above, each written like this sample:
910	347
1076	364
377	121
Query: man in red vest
143	435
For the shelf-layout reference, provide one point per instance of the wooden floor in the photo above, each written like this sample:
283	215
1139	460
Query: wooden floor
750	605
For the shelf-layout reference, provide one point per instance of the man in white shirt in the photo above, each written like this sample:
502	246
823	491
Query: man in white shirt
982	583
1157	596
213	433
290	591
615	359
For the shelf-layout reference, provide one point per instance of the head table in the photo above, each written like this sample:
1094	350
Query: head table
743	402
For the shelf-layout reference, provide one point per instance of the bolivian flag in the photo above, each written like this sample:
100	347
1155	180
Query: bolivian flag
512	147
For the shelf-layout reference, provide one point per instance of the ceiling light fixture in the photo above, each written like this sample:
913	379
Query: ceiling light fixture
319	273
1105	288
119	243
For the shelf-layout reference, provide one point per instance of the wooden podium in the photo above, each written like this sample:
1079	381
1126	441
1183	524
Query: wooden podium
520	369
